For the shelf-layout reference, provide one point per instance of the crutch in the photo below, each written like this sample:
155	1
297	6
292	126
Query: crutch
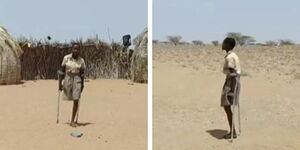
233	105
77	114
82	85
58	102
232	120
239	113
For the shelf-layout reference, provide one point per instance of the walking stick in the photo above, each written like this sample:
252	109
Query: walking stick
77	114
58	102
82	86
233	107
232	120
240	130
239	113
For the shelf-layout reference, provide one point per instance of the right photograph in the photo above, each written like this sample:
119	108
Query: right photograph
226	75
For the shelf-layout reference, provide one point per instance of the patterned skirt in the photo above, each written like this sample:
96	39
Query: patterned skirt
72	87
231	91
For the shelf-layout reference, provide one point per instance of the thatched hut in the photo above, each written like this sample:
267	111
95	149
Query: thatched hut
10	66
139	64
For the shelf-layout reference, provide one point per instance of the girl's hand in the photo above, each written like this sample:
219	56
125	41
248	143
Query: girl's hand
82	87
60	87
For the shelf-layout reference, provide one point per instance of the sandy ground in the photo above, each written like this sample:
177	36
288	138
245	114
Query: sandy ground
187	88
113	115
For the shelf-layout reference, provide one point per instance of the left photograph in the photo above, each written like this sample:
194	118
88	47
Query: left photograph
73	74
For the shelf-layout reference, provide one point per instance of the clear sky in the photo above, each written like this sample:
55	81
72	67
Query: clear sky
209	20
71	19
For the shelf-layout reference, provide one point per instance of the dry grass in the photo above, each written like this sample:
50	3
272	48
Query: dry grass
255	60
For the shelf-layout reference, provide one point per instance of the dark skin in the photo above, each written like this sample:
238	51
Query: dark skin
75	55
227	48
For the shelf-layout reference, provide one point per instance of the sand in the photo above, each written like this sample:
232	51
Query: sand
187	86
113	115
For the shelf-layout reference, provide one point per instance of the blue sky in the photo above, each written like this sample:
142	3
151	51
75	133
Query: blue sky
71	19
209	20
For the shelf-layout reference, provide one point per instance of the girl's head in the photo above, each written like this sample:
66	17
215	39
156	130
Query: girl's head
228	44
75	50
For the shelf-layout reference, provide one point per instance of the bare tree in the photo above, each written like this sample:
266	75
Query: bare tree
174	39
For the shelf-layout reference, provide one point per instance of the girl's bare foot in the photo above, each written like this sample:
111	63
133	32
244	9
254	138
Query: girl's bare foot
73	124
228	136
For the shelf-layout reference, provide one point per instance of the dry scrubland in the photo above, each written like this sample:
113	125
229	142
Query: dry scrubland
187	88
262	61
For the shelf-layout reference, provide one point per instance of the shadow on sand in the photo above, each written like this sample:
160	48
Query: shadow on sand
8	84
217	133
84	124
81	124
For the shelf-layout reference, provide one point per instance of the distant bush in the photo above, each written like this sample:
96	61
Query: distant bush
174	39
184	43
163	42
215	43
260	44
271	43
241	39
198	42
155	41
286	42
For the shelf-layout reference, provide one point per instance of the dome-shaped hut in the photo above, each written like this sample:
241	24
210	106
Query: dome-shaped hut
139	64
10	65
